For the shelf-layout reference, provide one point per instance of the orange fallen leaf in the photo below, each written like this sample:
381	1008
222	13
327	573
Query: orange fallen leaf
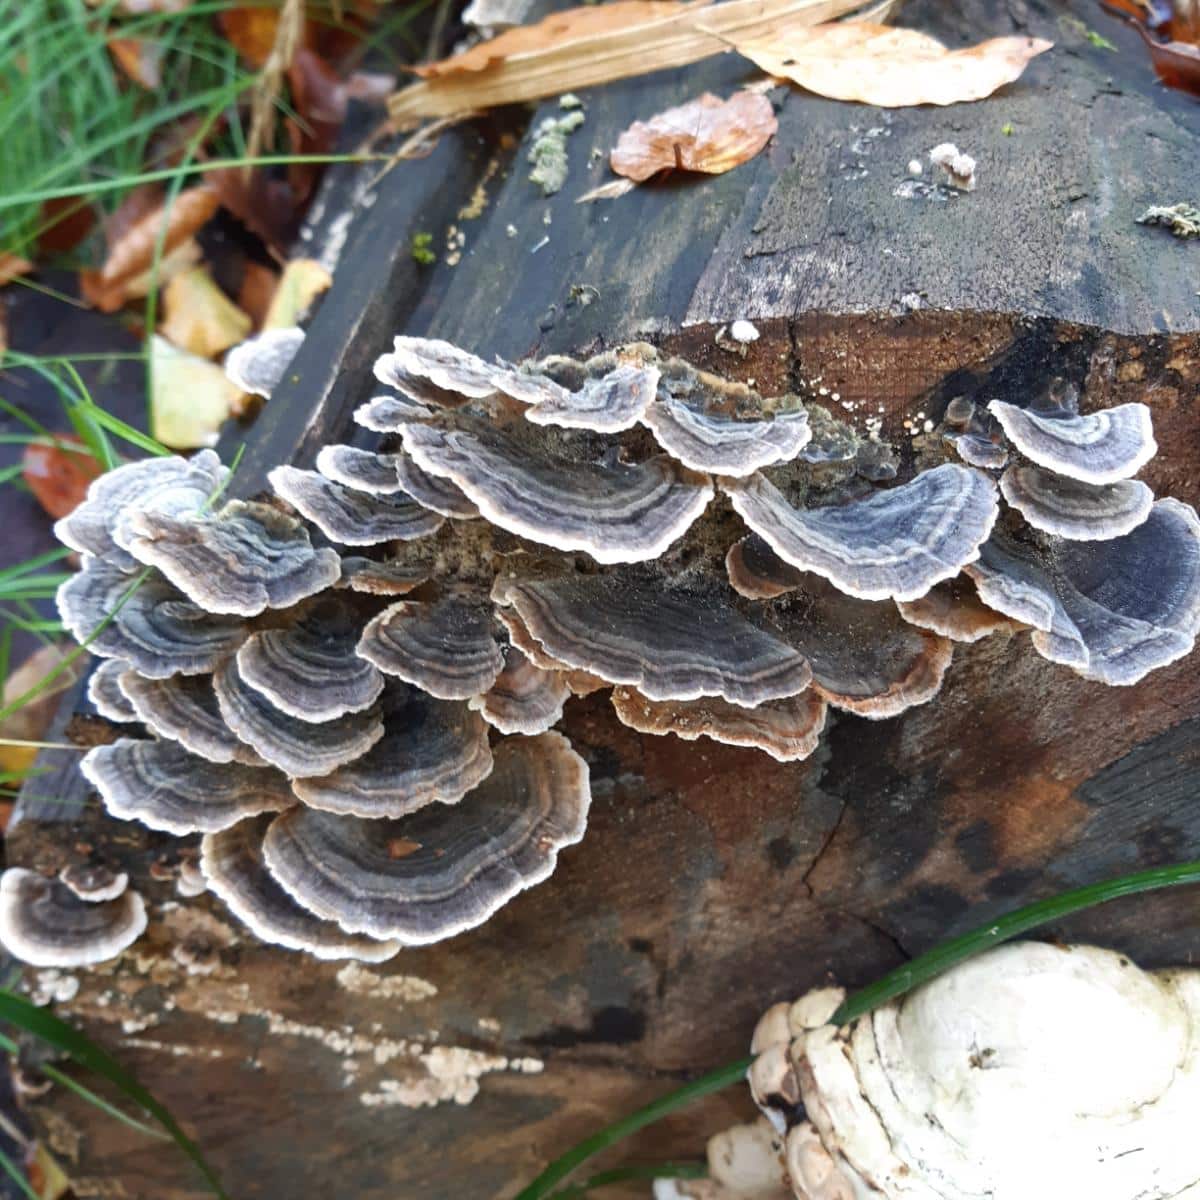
59	475
707	134
134	237
303	280
140	59
65	222
200	318
13	266
891	68
251	32
555	30
108	297
599	50
319	98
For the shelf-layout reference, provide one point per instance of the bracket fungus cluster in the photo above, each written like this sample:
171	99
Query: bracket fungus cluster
986	1081
348	687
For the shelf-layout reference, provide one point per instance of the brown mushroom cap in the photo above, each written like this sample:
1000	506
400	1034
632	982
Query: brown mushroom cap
976	450
350	517
184	709
670	639
45	924
953	609
382	577
757	572
524	699
443	869
242	559
896	543
150	624
1113	610
299	748
1086	512
1099	447
431	750
94	881
360	470
165	787
865	658
531	486
309	669
105	694
259	363
445	647
787	729
233	866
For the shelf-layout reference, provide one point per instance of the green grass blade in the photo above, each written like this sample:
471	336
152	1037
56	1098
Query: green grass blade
942	958
648	1171
619	1130
35	563
18	1177
70	1041
115	425
895	983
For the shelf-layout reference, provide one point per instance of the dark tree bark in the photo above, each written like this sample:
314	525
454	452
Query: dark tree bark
712	881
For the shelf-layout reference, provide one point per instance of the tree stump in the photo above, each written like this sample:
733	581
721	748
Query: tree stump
712	880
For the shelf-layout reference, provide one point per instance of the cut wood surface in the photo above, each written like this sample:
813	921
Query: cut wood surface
712	880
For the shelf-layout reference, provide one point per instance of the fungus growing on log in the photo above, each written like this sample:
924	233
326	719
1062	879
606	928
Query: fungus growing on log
1097	448
45	923
928	1094
94	882
442	870
258	364
232	862
394	704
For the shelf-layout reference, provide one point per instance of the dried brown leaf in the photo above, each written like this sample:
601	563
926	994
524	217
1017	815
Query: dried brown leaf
251	32
30	721
200	318
558	29
140	59
708	134
12	266
612	190
59	475
682	34
258	286
109	297
892	68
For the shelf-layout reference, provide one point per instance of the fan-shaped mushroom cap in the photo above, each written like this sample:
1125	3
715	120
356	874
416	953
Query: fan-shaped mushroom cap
165	787
757	572
431	750
297	747
242	559
360	470
1083	512
94	881
579	683
151	625
351	517
610	403
310	670
259	363
865	658
669	639
446	647
184	709
979	451
1099	447
787	729
384	577
170	484
614	511
389	414
524	699
953	609
1113	610
895	543
105	693
233	866
438	495
43	923
929	1094
716	442
441	870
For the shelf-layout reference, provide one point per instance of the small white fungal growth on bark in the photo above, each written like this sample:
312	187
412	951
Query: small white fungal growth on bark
1032	1071
958	166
